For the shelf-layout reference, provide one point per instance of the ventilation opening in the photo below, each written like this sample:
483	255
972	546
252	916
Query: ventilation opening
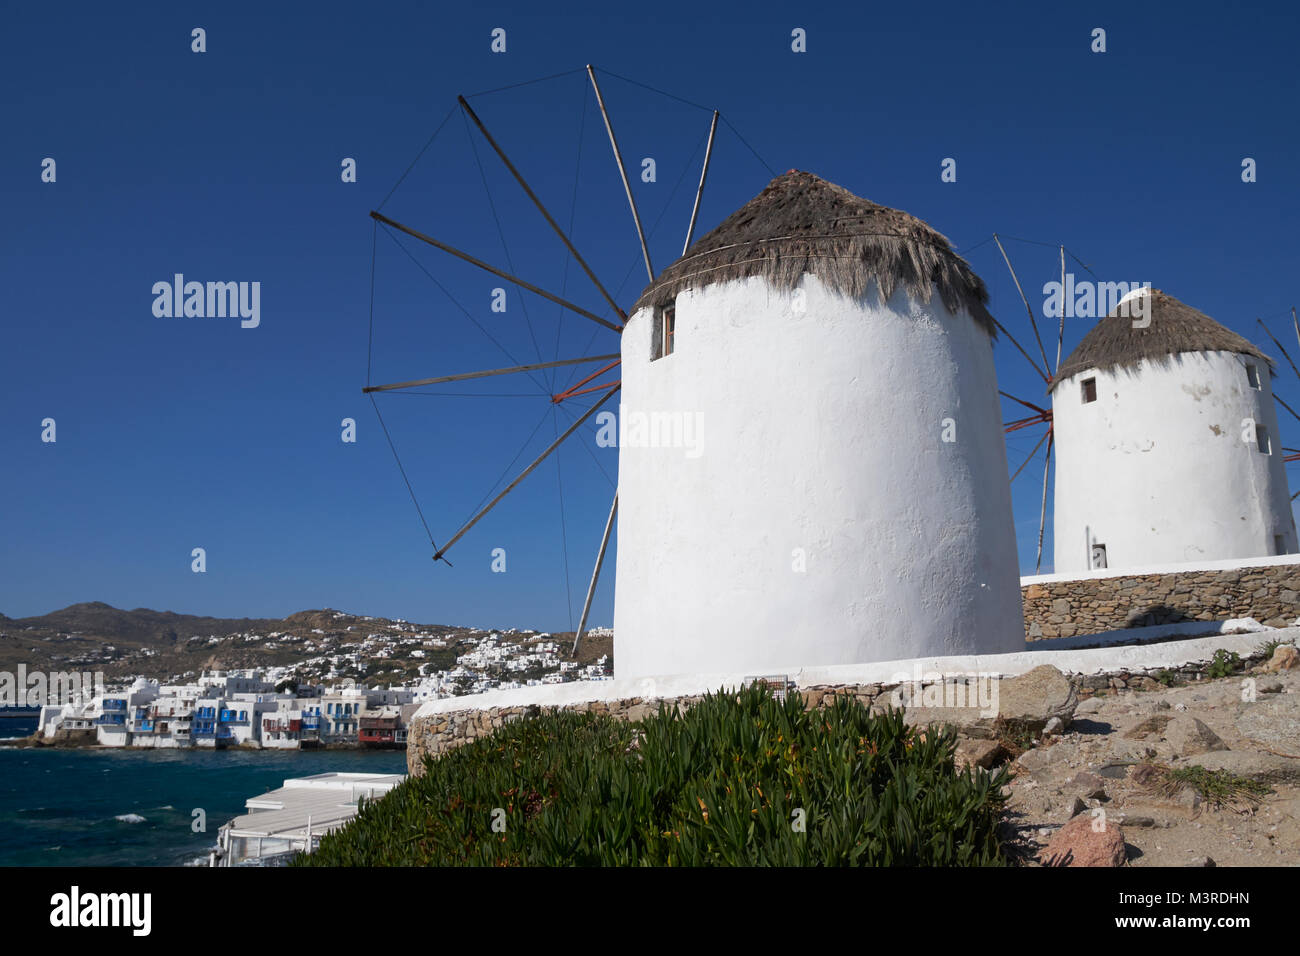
1261	439
1098	556
1252	376
1089	390
663	334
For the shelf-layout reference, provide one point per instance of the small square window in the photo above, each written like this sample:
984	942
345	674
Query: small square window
1089	390
1252	376
1098	556
1261	439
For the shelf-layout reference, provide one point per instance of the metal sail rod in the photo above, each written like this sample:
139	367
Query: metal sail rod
622	171
1042	514
695	211
595	575
1032	321
380	217
464	104
496	371
1295	323
522	475
1280	347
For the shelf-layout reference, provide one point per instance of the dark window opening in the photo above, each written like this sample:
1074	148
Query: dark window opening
1261	439
1098	556
1089	390
1252	376
664	332
1279	544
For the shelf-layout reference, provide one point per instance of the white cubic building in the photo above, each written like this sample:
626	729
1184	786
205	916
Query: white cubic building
811	460
1167	444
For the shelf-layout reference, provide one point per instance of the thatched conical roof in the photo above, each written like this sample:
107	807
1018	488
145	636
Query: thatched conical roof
801	224
1174	328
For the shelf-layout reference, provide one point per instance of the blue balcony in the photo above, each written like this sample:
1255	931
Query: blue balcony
203	728
147	726
112	719
114	704
224	733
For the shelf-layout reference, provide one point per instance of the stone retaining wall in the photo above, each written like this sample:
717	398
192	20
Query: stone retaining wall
436	734
1271	595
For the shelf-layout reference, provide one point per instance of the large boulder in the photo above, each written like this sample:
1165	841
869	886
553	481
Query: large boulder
1086	841
1026	702
1189	737
1285	657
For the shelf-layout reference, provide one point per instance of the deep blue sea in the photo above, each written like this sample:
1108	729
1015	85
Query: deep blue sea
61	807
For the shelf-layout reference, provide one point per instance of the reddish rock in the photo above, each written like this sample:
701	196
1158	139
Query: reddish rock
1285	657
1085	841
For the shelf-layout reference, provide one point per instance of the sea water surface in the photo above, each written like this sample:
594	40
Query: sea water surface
120	807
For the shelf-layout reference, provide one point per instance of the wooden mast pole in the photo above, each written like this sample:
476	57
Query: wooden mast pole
622	171
1032	321
1042	514
695	211
1060	335
464	104
595	575
524	474
380	217
496	371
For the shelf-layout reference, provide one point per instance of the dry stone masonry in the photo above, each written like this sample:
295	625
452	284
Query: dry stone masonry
1031	700
1271	595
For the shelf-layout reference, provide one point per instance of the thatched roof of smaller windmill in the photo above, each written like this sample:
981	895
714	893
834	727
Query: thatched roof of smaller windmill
1174	328
801	224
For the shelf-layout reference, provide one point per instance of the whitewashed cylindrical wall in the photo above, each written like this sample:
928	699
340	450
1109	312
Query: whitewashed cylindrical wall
1165	466
813	513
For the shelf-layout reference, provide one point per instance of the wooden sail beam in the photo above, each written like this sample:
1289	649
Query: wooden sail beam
1030	458
595	388
622	171
464	104
380	217
595	576
699	193
1020	423
465	376
1042	513
1279	345
1060	336
573	389
998	325
1030	405
522	475
1032	321
1277	398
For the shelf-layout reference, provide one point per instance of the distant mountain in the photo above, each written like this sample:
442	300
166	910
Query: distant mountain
95	618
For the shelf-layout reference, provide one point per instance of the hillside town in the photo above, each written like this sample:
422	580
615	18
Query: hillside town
313	702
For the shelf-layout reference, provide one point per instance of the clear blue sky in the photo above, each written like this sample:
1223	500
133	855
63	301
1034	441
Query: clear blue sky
177	433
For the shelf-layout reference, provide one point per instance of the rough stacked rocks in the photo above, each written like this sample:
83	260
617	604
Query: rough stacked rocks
1270	595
